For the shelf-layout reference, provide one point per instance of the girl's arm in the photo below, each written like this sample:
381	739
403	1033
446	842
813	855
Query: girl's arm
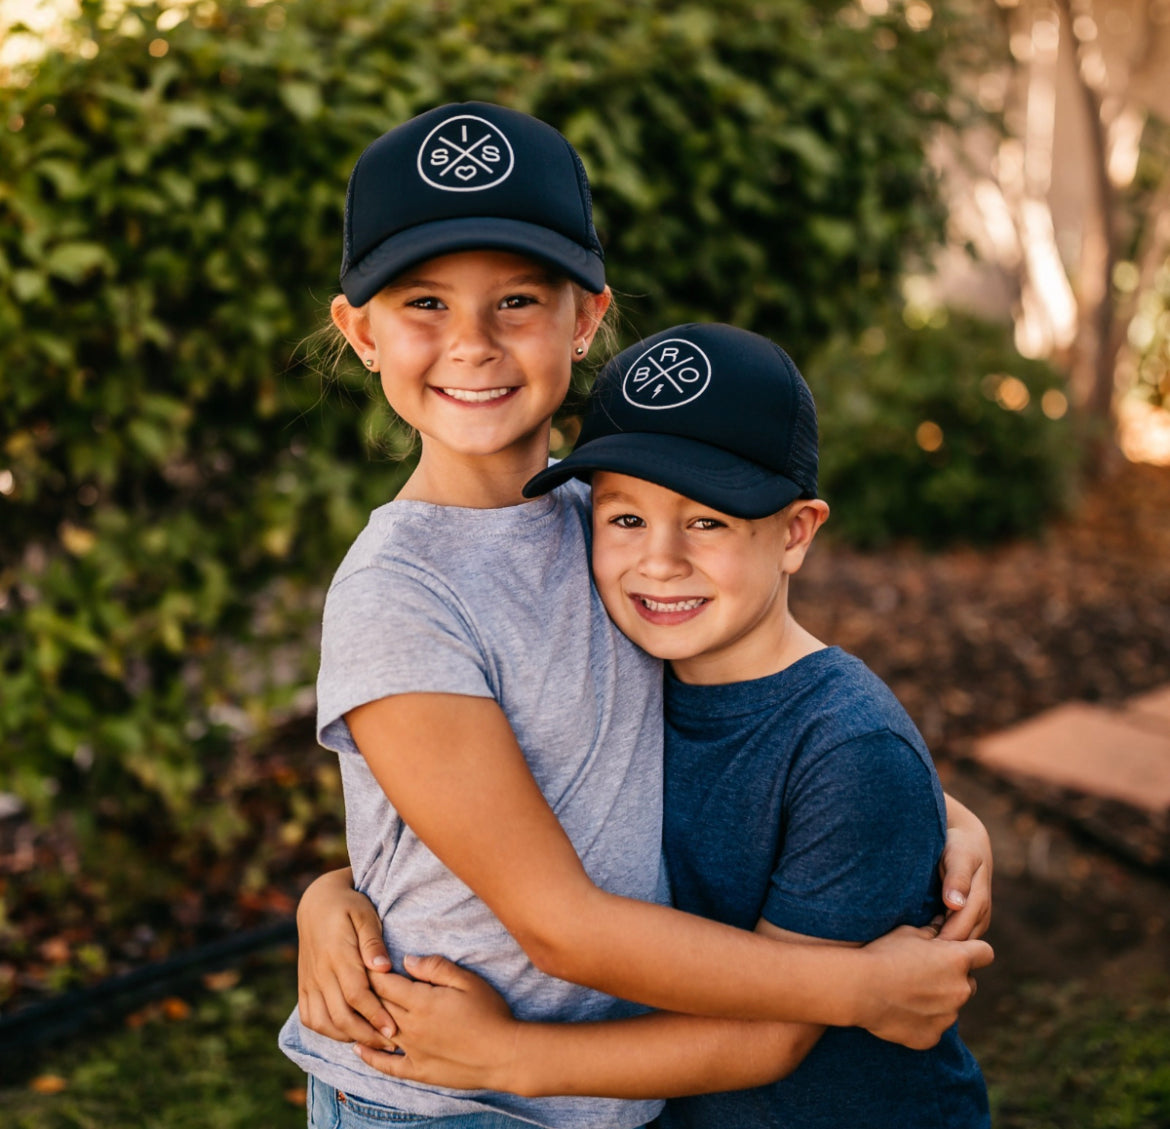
455	1030
341	935
965	866
451	767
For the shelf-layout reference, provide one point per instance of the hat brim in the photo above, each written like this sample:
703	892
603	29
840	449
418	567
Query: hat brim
710	475
466	233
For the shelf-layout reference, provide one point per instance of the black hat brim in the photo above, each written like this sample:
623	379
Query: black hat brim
466	233
710	475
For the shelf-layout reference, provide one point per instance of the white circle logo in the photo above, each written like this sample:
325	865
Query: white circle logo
672	373
465	154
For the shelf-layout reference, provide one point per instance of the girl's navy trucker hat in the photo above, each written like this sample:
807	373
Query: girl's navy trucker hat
715	413
462	177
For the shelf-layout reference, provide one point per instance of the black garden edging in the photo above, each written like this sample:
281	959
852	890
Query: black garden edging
28	1030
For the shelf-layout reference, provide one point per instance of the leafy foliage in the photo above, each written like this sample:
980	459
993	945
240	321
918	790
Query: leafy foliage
174	490
939	433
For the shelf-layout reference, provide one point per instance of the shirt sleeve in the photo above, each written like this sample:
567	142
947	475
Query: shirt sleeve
864	826
390	632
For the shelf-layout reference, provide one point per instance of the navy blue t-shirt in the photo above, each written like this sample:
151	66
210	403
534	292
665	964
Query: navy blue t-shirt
808	798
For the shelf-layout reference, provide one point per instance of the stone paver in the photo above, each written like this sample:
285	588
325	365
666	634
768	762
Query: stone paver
1107	769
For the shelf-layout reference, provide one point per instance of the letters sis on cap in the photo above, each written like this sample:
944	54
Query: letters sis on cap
716	413
470	176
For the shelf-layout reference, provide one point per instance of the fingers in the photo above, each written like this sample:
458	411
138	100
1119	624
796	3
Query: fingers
387	1063
965	925
371	943
436	970
335	1020
394	991
980	952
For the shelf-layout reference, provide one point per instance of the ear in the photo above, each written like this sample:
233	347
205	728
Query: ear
354	323
804	518
590	312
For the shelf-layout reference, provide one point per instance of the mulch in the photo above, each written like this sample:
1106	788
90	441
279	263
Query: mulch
970	640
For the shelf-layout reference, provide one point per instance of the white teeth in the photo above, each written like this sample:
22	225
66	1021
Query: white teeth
672	605
469	397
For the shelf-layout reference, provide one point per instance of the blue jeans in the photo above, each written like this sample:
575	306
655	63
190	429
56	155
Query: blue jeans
329	1108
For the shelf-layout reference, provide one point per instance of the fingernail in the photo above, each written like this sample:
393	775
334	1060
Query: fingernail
380	962
357	1050
388	1032
955	898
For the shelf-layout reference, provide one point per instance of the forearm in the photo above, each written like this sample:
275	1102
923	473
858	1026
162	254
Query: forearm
683	963
656	1055
961	816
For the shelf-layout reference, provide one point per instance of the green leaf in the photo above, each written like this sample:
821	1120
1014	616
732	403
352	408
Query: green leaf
74	261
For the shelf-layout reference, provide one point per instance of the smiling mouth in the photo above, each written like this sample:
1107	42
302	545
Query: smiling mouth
668	613
688	605
467	396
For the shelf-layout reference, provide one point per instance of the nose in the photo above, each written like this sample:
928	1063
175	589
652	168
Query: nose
664	555
472	341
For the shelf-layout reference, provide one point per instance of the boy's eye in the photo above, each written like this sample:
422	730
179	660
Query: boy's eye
626	521
705	523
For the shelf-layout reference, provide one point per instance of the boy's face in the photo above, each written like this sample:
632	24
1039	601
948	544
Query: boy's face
704	590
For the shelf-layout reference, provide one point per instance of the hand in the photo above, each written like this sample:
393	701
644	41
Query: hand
453	1028
919	983
966	867
340	944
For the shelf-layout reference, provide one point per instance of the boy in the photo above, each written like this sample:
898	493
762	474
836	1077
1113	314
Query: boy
800	799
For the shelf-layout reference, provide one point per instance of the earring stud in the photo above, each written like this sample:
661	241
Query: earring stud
580	350
369	362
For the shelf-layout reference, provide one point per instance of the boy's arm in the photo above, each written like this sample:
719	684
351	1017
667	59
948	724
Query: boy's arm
339	930
452	768
454	1030
340	938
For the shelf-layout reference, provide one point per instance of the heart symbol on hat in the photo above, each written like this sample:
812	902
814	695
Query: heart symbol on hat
465	172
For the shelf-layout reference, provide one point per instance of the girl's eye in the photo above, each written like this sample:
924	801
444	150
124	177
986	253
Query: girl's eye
426	303
626	521
517	301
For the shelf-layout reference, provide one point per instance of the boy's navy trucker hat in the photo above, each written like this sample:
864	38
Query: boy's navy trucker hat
461	177
715	413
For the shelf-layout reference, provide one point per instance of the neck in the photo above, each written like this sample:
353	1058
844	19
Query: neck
473	481
750	658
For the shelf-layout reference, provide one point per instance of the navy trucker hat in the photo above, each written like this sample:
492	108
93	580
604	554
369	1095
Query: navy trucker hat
715	413
463	177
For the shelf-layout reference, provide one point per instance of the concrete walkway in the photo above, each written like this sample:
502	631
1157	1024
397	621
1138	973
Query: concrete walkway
1104	768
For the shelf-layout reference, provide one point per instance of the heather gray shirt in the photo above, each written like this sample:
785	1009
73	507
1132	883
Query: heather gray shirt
499	604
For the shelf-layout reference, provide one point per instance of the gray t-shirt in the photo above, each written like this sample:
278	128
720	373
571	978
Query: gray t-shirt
499	604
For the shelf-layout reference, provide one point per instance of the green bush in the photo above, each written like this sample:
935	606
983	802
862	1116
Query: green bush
939	433
174	489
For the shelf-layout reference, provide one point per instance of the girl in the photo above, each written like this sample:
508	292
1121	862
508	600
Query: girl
500	741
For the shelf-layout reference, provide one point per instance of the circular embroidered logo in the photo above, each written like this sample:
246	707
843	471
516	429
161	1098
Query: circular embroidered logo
669	374
465	154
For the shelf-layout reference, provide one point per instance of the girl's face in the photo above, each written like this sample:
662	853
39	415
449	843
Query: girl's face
475	351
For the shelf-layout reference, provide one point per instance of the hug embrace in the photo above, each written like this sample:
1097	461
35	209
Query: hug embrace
620	829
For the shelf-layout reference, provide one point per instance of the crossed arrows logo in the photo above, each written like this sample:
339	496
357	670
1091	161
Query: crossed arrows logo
465	154
667	375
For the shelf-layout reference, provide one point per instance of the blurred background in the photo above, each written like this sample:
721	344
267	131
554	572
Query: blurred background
954	214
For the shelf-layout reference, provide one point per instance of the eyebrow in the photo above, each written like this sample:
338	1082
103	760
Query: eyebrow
619	496
530	278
